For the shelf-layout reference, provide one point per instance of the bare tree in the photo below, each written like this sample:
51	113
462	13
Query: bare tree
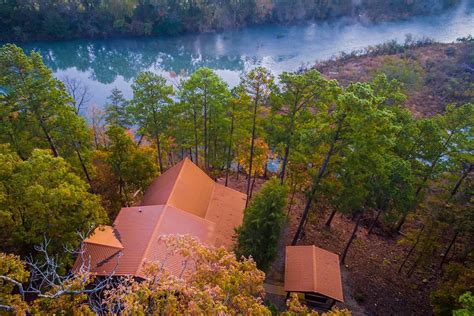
96	119
47	282
78	91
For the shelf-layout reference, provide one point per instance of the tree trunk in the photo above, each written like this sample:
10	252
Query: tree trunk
461	179
252	145
191	154
411	249
285	162
140	139
374	222
237	173
291	199
445	256
83	165
53	147
252	186
351	239
413	267
331	217
401	222
195	139
206	154
158	150
425	179
229	150
316	181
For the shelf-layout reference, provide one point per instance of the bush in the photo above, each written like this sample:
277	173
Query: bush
407	71
263	221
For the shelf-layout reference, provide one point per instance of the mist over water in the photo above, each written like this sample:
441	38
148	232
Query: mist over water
105	64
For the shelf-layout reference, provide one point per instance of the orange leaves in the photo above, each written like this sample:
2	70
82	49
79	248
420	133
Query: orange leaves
260	157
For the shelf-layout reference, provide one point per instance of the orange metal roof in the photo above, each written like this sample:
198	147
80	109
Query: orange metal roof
226	210
104	236
312	269
183	200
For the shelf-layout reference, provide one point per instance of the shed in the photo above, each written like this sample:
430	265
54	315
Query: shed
314	272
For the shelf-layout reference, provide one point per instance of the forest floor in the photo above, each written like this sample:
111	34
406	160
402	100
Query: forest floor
371	281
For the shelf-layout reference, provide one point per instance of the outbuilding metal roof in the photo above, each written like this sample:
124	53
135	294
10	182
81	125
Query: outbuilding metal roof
312	269
183	200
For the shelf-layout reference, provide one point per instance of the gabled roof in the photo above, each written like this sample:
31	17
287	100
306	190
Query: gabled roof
104	236
183	200
186	187
312	269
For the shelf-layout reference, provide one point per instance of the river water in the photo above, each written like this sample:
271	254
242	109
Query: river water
105	64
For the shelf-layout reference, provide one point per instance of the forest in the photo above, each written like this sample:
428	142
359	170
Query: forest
349	152
26	20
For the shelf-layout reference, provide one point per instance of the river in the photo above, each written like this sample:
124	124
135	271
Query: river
104	64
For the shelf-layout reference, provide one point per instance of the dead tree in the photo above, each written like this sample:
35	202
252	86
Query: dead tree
46	281
78	91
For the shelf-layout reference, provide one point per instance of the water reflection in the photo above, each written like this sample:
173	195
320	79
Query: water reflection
103	64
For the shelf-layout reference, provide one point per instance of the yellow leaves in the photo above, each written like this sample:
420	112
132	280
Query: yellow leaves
12	267
260	155
213	281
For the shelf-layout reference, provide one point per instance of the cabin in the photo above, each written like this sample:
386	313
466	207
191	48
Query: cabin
181	201
314	274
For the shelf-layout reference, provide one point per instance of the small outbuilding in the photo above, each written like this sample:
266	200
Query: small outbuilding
315	273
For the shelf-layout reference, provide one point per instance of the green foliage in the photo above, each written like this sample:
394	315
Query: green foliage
149	106
292	109
37	112
41	197
407	71
457	280
263	222
467	302
134	167
61	19
204	99
116	111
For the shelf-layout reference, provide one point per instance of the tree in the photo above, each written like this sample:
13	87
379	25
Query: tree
49	291
79	93
211	279
292	107
151	99
264	218
259	161
204	96
42	197
12	273
116	110
37	112
441	139
457	280
467	302
132	165
258	85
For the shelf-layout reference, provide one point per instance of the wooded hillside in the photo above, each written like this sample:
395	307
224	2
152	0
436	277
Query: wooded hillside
27	20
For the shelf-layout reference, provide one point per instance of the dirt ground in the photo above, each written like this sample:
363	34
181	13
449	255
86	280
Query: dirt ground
371	282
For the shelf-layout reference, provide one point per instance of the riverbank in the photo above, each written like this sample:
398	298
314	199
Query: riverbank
62	20
433	75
